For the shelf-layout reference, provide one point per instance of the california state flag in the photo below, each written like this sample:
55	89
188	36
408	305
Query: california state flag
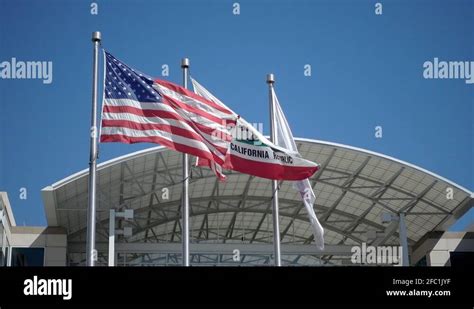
251	153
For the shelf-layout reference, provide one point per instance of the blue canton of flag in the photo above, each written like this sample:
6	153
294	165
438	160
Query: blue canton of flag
123	82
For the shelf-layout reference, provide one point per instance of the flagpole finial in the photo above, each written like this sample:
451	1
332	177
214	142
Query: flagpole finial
185	63
96	36
270	78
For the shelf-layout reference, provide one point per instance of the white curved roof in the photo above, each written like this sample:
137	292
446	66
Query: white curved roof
353	188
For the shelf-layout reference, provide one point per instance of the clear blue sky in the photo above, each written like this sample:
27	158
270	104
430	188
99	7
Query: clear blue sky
367	70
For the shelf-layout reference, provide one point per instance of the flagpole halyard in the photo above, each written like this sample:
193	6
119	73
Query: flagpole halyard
185	195
91	211
273	139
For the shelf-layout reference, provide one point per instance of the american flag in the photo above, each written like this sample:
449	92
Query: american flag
138	108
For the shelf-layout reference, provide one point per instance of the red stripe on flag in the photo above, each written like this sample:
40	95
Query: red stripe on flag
179	105
268	170
107	138
184	91
162	127
167	115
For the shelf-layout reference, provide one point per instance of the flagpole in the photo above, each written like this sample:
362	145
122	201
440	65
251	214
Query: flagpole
273	139
185	196
91	254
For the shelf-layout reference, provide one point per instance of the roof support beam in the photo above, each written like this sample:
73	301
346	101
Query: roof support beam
376	195
175	204
413	203
350	180
152	196
206	218
227	249
241	205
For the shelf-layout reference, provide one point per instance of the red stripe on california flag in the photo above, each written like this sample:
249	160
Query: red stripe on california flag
162	127
192	95
269	170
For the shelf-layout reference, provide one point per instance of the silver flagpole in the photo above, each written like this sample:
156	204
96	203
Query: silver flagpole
273	139
91	253
185	196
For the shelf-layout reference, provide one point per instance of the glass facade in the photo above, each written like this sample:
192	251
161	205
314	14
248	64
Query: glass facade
27	257
16	256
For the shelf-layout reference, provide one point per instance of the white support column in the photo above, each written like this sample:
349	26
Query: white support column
403	239
9	256
126	231
112	237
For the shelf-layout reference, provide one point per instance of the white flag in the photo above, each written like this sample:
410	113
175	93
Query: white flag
284	139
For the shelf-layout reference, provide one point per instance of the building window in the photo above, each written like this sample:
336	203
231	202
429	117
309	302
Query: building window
4	257
422	262
27	257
